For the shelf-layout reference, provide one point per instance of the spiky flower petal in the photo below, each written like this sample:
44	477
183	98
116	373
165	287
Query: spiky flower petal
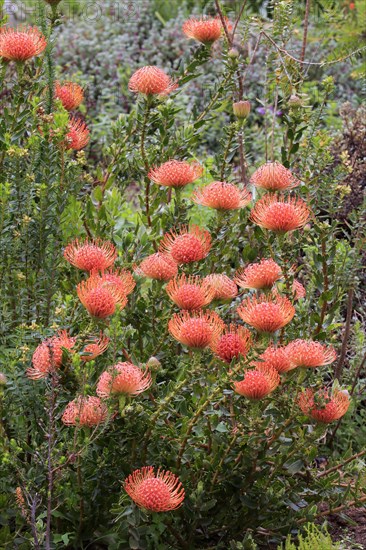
120	278
258	382
280	213
48	355
94	348
91	255
190	292
196	329
306	353
225	288
22	43
298	290
278	358
151	80
156	492
176	173
70	94
123	378
158	266
273	176
266	313
189	244
78	135
85	411
99	298
204	29
323	406
233	342
222	196
259	275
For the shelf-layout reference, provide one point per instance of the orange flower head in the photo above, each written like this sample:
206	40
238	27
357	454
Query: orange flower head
190	244
259	275
322	406
258	382
158	266
48	355
272	176
21	44
85	411
91	255
204	29
280	213
196	329
70	94
298	290
234	342
222	196
176	173
277	358
151	80
190	292
225	288
100	298
123	378
156	492
78	135
120	278
266	313
96	347
309	354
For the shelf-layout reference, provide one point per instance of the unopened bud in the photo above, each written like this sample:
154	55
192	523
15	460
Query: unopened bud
241	109
2	379
295	101
233	53
153	363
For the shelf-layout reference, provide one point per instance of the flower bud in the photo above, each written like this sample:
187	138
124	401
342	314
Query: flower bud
233	53
2	379
153	364
295	101
241	109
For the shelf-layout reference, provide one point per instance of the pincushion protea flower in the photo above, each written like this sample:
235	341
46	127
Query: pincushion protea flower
273	176
85	411
196	329
156	492
266	313
222	196
78	135
120	278
158	266
91	255
225	288
70	94
232	343
309	354
99	298
277	358
258	382
21	44
48	355
280	213
94	348
190	292
176	173
204	29
322	406
190	244
259	275
298	290
123	378
151	80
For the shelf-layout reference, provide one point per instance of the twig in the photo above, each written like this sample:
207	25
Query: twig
223	22
347	330
335	510
306	26
237	21
325	285
339	466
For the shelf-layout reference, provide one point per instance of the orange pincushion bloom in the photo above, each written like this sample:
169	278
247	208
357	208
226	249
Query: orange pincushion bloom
21	44
273	176
85	411
190	292
306	353
123	378
259	275
78	135
234	341
70	94
258	383
190	244
120	278
151	80
48	355
204	29
96	347
197	329
95	255
225	288
99	298
160	492
266	313
278	358
298	290
280	213
222	196
322	406
176	173
158	266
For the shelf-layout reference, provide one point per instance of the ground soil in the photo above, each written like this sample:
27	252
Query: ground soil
340	527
